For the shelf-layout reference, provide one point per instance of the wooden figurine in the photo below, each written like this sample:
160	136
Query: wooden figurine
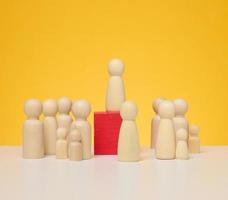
181	107
61	144
128	144
75	146
155	122
50	126
194	141
33	140
182	146
166	146
64	120
81	110
115	92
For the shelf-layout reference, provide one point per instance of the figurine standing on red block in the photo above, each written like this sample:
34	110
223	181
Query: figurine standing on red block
107	124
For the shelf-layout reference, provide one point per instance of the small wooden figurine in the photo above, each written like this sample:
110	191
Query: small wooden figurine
194	141
61	144
81	110
182	146
75	146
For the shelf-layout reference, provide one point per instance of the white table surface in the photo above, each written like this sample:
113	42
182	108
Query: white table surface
204	176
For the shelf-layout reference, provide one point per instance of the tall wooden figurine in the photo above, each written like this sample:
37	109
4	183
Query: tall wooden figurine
128	144
50	126
75	146
64	120
166	146
115	92
155	122
81	110
194	141
33	140
181	107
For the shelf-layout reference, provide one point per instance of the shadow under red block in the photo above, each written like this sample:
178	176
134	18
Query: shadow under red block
106	132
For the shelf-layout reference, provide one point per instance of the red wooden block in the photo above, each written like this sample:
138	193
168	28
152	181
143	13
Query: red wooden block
106	132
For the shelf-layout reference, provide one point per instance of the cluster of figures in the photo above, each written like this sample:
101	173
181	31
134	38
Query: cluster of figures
171	135
57	134
61	136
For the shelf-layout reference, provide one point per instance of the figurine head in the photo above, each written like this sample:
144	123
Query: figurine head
166	109
64	105
75	135
33	108
61	133
182	134
194	130
116	67
181	106
156	103
81	109
128	110
50	107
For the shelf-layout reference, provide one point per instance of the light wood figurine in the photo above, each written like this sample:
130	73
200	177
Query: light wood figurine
64	119
115	95
182	146
61	144
33	140
50	126
75	146
181	108
166	140
155	122
194	141
128	143
81	110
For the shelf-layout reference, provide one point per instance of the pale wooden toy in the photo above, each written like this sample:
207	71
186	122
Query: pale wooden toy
182	146
155	122
33	140
128	143
81	110
64	120
61	144
166	145
75	146
194	141
181	107
50	109
115	95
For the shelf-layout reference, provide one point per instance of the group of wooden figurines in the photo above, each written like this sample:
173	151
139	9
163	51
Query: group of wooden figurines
57	134
172	137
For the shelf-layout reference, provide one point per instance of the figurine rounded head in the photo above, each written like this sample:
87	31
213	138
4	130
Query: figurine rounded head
156	103
128	110
64	105
50	107
116	67
61	133
81	109
194	129
166	109
182	134
181	106
33	108
75	135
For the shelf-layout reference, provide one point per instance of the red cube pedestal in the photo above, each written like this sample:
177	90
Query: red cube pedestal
106	132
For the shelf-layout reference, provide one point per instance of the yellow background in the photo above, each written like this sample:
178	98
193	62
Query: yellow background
51	48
